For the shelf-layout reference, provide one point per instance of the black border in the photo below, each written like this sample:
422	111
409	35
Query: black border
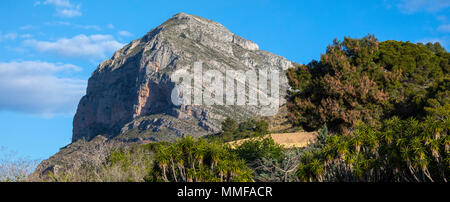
280	191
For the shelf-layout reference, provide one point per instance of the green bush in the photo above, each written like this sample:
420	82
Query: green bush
369	81
400	151
231	130
251	150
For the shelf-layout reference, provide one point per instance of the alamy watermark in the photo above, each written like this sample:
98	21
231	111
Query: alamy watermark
259	88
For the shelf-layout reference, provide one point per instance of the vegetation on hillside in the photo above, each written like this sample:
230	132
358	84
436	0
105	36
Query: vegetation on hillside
232	130
369	81
190	160
386	105
398	151
186	160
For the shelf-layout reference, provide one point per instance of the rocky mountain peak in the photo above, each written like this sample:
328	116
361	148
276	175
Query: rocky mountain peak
204	31
129	95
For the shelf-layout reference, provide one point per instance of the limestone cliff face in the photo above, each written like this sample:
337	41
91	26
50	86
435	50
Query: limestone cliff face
129	95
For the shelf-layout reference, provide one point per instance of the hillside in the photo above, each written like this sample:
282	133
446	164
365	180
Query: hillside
375	112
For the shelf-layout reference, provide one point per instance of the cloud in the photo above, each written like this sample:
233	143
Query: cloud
64	8
8	36
57	23
80	46
110	26
125	33
26	36
78	26
26	27
444	28
59	3
33	87
94	27
70	13
412	6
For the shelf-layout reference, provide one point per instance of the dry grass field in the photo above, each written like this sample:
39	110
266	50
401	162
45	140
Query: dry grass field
288	140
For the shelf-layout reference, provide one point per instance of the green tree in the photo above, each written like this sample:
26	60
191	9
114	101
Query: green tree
364	80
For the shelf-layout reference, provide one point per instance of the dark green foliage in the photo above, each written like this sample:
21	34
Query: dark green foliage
252	150
438	104
247	129
229	125
420	69
342	89
321	137
366	80
120	157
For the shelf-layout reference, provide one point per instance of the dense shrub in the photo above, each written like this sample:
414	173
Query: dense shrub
369	81
400	150
254	149
231	130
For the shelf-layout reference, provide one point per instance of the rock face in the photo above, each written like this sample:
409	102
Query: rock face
129	95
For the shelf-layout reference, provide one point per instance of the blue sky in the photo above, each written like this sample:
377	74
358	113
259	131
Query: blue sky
48	48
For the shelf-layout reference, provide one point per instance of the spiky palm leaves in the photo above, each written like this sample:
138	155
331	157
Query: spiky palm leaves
192	160
400	150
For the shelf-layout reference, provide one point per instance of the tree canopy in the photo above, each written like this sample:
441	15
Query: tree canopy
364	80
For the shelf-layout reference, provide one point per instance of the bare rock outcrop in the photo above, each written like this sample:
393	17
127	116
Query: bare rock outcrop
129	95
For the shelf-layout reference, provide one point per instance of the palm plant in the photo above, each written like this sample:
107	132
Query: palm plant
162	161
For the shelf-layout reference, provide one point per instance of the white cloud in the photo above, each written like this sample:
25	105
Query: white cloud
26	27
64	8
26	36
63	23
444	28
70	13
80	46
59	3
125	33
110	26
57	23
93	27
34	87
8	36
412	6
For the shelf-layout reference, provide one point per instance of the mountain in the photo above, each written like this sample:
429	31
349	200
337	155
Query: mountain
129	95
128	98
